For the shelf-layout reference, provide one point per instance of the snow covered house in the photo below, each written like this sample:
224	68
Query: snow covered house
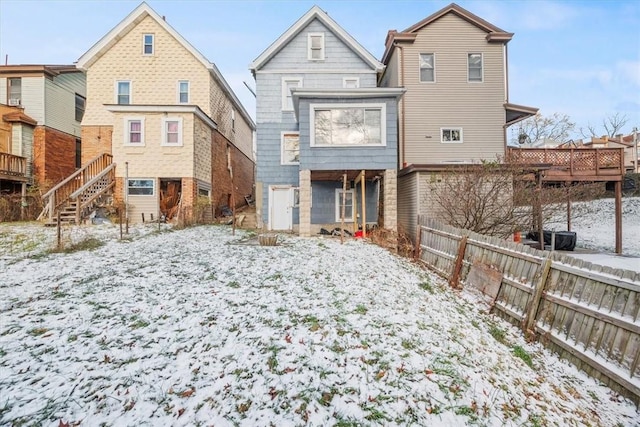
326	134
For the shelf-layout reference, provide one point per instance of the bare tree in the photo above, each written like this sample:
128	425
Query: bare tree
497	199
612	125
557	127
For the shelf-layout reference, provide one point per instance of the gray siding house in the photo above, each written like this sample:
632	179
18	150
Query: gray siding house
326	148
456	110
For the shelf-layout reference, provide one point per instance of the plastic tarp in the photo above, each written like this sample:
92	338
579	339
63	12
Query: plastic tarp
564	240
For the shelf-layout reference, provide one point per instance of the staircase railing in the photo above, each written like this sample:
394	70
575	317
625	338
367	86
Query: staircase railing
59	195
86	195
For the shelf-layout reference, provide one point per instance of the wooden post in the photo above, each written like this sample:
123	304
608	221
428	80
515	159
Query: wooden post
539	211
343	210
568	211
530	318
120	221
454	281
364	204
618	188
416	249
59	230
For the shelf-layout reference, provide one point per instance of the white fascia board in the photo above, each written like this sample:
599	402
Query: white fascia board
193	109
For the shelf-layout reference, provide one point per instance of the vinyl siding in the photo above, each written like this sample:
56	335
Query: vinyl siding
60	102
390	77
452	101
33	98
146	205
22	144
323	197
3	90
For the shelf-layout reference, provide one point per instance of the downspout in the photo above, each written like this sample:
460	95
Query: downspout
402	107
506	92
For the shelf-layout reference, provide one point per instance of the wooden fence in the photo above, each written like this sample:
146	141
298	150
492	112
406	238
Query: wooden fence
587	313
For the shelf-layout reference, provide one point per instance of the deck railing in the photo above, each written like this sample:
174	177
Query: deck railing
571	162
12	165
60	195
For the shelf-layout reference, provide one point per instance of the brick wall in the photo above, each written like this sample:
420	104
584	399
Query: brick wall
243	173
54	156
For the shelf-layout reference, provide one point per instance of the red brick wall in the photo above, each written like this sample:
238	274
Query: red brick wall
243	174
54	156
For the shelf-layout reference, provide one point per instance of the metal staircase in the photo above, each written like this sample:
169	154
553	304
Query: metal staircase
77	196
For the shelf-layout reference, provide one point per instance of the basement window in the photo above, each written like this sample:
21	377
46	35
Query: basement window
141	187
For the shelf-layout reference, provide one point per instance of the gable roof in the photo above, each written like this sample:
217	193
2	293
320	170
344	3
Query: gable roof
315	13
130	22
494	34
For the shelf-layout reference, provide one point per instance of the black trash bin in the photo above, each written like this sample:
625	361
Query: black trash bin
565	240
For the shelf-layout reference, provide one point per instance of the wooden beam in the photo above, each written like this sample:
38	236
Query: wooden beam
539	211
359	178
618	188
364	204
344	202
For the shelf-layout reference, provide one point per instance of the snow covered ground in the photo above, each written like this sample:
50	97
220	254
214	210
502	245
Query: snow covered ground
199	327
594	223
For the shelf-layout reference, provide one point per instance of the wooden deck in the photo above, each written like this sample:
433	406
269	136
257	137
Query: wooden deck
572	164
13	168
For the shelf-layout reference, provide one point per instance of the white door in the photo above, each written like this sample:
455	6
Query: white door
280	208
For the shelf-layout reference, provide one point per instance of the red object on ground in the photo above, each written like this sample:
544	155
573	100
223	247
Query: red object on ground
358	234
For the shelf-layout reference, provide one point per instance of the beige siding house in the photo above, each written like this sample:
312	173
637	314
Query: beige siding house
456	109
165	113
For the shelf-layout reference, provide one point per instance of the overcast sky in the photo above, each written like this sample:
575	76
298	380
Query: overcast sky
579	58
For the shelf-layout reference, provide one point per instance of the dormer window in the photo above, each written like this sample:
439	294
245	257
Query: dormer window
147	44
315	42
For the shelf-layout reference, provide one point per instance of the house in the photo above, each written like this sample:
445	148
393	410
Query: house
453	65
326	134
167	118
54	96
628	142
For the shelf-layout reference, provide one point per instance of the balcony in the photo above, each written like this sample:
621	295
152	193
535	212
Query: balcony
13	168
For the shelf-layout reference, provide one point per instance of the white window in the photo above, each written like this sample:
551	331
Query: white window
451	135
427	67
350	82
474	61
183	91
349	195
315	43
141	187
348	125
172	131
290	148
287	84
123	92
147	44
233	120
134	131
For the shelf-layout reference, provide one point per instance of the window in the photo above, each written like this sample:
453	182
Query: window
287	98
348	205
147	44
172	131
15	91
351	82
80	105
134	131
183	91
427	67
78	153
339	125
140	187
451	135
290	148
315	43
233	120
123	92
475	67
